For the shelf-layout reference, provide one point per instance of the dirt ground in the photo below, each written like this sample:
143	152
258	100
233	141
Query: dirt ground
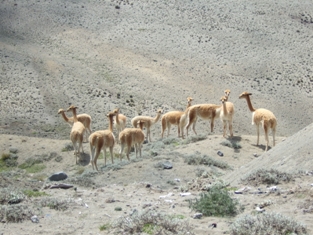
141	56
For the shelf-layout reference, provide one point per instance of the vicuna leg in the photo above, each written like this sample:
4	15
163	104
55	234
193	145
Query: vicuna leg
92	155
258	134
212	124
121	151
265	127
111	153
163	127
128	151
168	129
230	124
224	128
274	133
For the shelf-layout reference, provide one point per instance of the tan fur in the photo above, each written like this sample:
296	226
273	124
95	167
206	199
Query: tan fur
173	118
101	140
120	121
83	118
147	122
77	133
227	93
261	116
132	137
226	115
204	111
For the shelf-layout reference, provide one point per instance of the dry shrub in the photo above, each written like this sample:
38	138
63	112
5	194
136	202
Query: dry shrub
266	223
269	177
151	222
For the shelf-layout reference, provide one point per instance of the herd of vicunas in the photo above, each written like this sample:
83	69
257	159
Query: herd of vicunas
134	137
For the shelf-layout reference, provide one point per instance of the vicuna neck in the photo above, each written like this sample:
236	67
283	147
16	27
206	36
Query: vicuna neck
157	118
249	104
111	123
224	107
65	117
116	118
74	115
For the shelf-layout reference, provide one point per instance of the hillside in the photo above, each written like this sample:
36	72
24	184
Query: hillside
141	56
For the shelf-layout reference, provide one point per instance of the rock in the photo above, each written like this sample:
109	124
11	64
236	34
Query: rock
13	150
197	216
34	219
167	165
58	176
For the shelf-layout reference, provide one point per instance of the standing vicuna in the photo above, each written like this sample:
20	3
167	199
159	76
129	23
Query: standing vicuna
226	115
204	111
132	137
147	122
83	118
101	140
120	121
261	116
77	133
173	118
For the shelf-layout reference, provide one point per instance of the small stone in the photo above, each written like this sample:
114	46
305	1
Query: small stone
197	216
34	219
13	150
167	165
58	176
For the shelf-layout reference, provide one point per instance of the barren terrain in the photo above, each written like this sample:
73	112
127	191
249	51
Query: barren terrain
141	56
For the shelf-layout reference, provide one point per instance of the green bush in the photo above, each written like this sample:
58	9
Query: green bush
216	202
266	223
264	176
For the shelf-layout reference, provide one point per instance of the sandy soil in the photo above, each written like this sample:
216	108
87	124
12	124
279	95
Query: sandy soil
140	56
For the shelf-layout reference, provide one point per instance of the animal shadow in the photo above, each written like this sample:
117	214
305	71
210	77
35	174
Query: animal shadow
84	159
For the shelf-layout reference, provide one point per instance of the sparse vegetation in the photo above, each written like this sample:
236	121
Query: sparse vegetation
264	176
11	195
216	202
231	144
104	227
17	213
306	206
82	181
152	222
56	204
266	223
68	147
205	160
192	139
7	161
32	193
